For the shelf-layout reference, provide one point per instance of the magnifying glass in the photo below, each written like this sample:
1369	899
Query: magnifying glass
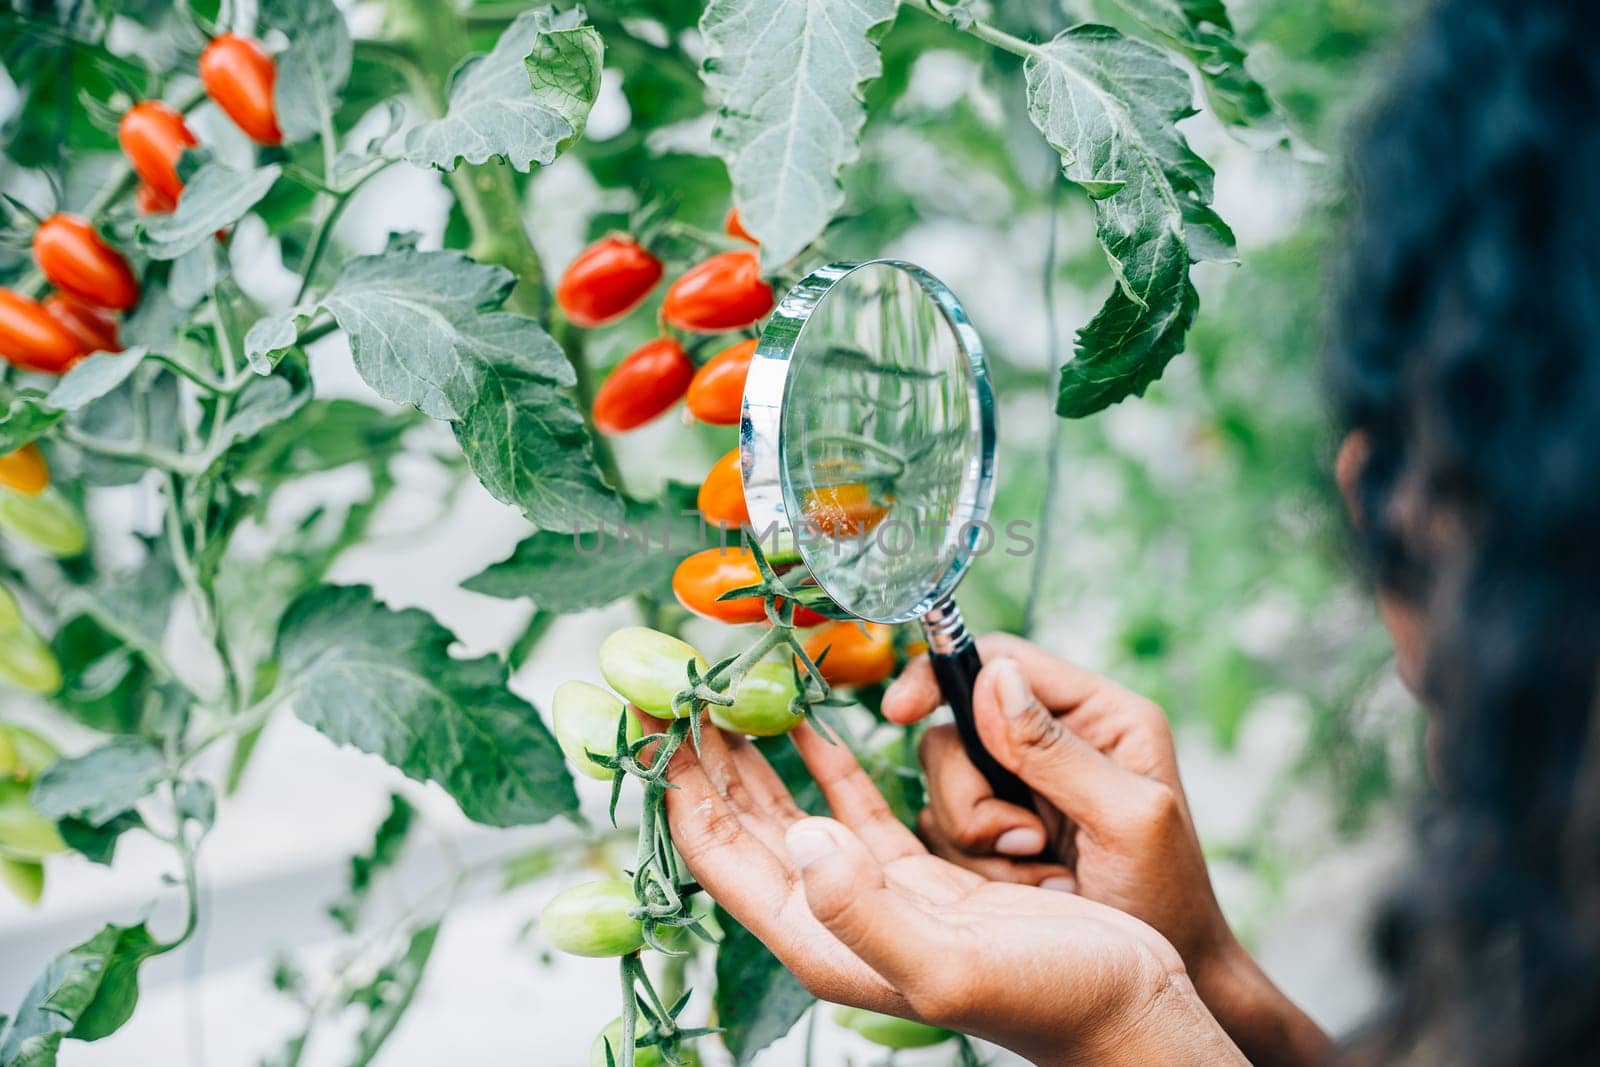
867	435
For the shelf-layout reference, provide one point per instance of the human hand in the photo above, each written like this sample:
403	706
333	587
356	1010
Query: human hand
1111	821
864	916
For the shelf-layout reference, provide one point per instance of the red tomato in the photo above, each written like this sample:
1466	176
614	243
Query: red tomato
647	382
723	293
95	330
153	201
153	136
717	392
238	75
721	499
33	340
608	279
854	657
24	471
78	260
733	226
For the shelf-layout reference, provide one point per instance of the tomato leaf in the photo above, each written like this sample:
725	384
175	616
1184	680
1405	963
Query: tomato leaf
313	70
788	75
561	572
420	335
1110	105
383	680
94	377
101	784
85	993
390	992
1202	31
758	1000
24	418
524	102
215	198
387	843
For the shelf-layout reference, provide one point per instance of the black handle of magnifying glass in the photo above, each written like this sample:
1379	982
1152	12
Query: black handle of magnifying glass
956	664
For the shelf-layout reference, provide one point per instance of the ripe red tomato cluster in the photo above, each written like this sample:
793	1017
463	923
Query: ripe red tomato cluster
92	281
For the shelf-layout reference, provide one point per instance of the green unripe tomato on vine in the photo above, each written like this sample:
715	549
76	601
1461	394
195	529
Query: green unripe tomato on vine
889	1031
585	720
30	752
592	920
649	668
25	660
46	520
762	705
650	1056
24	833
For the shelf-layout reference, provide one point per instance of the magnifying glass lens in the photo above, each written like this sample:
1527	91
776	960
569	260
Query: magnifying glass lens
885	465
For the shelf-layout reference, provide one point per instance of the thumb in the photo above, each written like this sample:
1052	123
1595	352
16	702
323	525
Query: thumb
846	891
1032	743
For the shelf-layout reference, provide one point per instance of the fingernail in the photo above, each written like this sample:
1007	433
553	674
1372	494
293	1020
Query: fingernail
809	843
1015	696
1059	884
1020	841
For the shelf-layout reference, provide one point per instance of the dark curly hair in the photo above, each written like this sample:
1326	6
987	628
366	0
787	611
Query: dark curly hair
1466	348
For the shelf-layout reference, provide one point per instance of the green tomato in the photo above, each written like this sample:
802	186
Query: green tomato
585	720
24	833
889	1031
34	753
24	878
47	520
649	667
10	612
592	920
761	705
27	662
643	1057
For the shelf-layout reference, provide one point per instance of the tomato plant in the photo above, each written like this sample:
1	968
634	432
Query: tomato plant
288	326
239	76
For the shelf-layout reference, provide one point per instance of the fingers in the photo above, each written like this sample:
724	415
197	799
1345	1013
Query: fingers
846	891
994	868
964	806
1040	749
853	797
1061	685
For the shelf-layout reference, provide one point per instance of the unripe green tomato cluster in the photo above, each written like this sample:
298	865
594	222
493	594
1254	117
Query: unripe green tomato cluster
593	919
888	1030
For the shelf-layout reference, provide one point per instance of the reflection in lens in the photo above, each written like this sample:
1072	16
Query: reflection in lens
882	443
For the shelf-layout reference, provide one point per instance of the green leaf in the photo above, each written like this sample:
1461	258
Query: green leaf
387	844
101	784
420	335
263	403
562	573
383	681
788	75
524	102
94	377
391	991
215	198
134	604
1110	105
1203	32
24	418
98	844
85	993
757	999
103	680
313	70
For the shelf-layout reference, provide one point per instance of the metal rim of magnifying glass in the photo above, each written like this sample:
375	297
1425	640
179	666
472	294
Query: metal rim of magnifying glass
766	388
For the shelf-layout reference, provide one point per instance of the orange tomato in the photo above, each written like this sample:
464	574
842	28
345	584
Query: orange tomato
647	382
24	471
703	577
77	259
858	654
239	75
721	499
717	392
33	340
95	330
153	136
726	292
733	226
846	510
